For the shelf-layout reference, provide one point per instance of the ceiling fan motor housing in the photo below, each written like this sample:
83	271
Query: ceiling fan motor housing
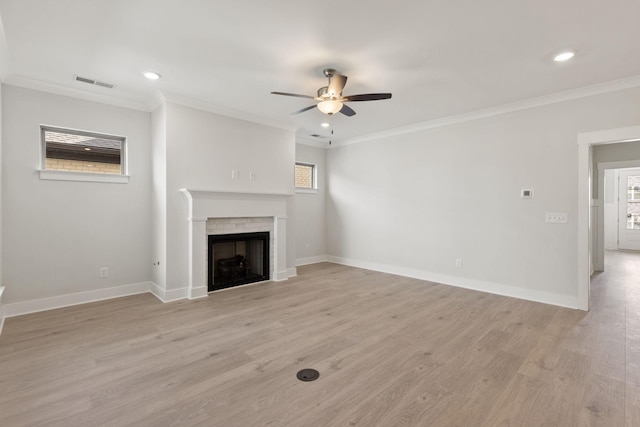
323	92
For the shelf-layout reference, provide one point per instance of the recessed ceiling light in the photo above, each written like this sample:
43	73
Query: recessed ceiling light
325	125
151	75
564	56
87	149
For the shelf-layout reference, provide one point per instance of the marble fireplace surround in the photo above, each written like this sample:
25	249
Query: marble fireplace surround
204	205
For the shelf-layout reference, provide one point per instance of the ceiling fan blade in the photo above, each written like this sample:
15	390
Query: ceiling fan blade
336	84
366	97
292	94
347	111
302	110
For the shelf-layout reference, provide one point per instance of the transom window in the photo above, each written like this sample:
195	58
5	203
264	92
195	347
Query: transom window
79	151
305	176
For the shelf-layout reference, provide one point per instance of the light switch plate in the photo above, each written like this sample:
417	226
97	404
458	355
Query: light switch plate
557	218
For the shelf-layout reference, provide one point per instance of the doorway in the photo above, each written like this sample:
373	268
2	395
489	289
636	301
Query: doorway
590	210
629	209
621	208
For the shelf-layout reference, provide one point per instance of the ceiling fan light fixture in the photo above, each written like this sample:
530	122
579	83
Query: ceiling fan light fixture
330	106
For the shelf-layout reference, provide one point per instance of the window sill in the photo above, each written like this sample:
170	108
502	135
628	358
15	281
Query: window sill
307	190
83	176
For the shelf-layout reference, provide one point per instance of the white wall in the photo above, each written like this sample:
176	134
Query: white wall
202	150
159	196
57	234
310	229
1	175
414	203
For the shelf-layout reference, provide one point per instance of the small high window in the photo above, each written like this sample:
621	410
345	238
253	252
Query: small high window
78	151
305	176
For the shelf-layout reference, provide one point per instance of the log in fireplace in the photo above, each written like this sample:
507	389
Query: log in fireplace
237	259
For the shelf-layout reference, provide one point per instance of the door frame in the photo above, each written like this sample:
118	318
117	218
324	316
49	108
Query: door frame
586	141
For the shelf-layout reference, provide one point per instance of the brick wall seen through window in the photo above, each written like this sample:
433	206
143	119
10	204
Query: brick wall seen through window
79	151
305	176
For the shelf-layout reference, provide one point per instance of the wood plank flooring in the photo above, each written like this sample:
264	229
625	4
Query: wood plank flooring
391	351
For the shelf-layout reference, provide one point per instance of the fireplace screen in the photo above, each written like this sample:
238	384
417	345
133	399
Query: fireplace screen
238	259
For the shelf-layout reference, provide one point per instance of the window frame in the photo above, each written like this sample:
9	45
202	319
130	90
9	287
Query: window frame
314	178
62	175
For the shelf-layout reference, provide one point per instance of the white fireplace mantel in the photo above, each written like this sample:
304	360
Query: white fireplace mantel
204	204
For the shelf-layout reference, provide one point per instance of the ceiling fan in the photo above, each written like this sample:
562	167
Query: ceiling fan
330	97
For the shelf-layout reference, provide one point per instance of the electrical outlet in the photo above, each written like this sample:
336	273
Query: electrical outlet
458	263
235	174
252	176
104	272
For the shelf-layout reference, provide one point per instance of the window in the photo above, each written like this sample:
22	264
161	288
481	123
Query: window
633	202
82	156
305	176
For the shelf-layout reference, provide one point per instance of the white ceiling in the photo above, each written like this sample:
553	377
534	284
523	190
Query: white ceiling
438	58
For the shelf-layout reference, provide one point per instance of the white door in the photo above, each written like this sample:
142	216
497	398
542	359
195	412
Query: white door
629	209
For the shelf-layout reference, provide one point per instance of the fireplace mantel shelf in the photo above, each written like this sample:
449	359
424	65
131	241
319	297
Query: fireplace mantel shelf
217	194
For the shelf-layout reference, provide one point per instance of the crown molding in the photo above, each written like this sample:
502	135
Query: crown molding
160	98
224	111
554	98
29	83
315	143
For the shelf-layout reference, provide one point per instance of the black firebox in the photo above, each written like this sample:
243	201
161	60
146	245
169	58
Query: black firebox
238	259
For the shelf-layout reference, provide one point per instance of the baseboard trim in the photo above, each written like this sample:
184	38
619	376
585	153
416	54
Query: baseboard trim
311	260
461	282
60	301
168	295
292	272
1	309
279	276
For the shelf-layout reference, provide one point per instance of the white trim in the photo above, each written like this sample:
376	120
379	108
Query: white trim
306	190
315	143
56	175
222	111
1	309
169	295
79	92
292	272
582	92
203	204
280	276
60	301
461	282
311	260
585	141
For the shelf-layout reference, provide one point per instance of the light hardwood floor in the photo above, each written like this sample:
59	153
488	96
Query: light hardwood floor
391	351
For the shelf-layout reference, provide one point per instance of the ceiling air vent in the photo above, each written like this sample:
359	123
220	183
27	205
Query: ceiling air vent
93	82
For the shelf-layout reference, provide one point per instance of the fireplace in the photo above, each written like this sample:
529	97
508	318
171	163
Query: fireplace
220	212
237	259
